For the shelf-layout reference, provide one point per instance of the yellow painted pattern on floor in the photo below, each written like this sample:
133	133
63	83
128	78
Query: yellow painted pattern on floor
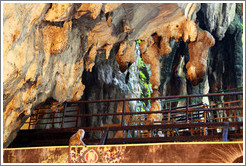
143	144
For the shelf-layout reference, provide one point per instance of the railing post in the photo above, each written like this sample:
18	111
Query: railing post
205	120
53	118
187	107
77	118
225	131
63	114
235	119
169	112
30	122
82	119
192	129
104	136
123	112
32	118
36	122
122	118
36	118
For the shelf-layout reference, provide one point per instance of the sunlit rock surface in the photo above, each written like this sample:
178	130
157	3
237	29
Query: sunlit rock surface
198	51
49	50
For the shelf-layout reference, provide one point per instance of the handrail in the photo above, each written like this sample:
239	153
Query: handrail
156	98
154	112
227	102
147	127
183	109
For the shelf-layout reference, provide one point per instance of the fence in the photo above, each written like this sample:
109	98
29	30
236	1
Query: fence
194	117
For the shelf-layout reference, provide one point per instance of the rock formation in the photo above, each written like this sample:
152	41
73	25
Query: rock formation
64	50
218	17
198	51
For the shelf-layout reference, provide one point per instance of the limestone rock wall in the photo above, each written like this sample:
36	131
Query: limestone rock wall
41	59
218	17
226	57
226	67
105	81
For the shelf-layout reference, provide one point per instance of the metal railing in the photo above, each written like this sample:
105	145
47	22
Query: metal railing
192	115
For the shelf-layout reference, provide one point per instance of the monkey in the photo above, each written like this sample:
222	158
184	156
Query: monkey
76	139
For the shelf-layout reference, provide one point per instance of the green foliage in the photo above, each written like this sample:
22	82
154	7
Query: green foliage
239	8
242	25
140	62
139	41
142	76
144	82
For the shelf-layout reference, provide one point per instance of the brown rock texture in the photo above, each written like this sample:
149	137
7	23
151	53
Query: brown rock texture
198	51
47	47
125	55
153	47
